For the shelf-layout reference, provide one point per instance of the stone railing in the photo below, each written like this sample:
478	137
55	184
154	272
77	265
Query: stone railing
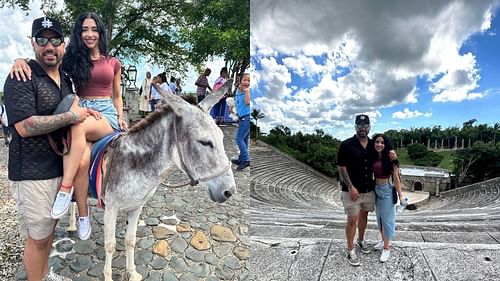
489	183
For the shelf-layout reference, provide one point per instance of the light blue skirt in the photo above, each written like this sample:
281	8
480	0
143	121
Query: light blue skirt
385	210
106	108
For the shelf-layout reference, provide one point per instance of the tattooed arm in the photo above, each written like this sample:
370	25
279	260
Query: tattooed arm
344	176
40	125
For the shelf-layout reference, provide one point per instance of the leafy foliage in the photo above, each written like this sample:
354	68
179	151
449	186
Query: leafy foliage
422	157
479	162
318	150
166	33
416	151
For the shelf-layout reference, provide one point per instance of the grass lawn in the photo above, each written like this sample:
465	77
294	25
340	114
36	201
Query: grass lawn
446	163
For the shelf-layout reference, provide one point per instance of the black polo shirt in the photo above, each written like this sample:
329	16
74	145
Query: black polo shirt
32	158
357	161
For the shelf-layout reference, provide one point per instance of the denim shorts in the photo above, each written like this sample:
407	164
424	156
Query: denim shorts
106	108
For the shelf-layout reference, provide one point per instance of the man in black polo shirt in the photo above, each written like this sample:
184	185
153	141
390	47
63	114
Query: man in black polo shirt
356	177
35	171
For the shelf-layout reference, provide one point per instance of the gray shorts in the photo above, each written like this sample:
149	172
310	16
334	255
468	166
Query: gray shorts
34	201
365	202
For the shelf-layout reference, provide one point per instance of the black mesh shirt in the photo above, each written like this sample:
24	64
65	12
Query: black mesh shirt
32	158
358	163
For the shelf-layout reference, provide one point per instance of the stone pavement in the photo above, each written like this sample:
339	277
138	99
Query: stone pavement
323	259
182	235
297	230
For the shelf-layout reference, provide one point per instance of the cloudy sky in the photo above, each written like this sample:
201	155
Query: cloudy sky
404	63
15	27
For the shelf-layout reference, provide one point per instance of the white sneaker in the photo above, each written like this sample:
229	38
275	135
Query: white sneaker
352	258
61	204
52	276
379	245
385	255
84	227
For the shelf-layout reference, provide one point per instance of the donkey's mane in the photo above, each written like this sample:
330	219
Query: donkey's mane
145	122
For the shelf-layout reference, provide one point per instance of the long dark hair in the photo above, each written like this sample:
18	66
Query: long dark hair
77	62
387	164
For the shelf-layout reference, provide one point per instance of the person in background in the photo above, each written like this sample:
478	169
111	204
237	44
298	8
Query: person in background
202	84
178	88
155	96
243	132
172	84
5	125
144	93
219	110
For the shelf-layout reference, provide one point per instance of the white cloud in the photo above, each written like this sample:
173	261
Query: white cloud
374	53
302	65
408	114
274	76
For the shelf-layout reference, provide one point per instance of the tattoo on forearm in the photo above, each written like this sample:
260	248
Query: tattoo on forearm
344	176
40	125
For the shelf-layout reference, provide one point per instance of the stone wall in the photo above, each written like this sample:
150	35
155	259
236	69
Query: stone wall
485	184
435	185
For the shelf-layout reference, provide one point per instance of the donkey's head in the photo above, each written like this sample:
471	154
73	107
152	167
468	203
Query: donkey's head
198	148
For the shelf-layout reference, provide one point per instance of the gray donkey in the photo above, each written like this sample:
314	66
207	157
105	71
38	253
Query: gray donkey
177	136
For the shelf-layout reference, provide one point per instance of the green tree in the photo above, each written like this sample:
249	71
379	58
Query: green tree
256	115
479	162
171	34
217	28
416	151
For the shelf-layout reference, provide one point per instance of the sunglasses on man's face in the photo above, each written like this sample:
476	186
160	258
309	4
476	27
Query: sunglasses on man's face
43	41
362	126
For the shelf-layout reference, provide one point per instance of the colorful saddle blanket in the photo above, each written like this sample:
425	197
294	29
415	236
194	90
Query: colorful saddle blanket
97	160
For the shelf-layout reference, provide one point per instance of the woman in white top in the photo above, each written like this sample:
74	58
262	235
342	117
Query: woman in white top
144	106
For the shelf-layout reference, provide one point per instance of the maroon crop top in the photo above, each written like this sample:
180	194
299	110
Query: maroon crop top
101	78
378	170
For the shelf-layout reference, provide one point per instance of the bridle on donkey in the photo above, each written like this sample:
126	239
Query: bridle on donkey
192	180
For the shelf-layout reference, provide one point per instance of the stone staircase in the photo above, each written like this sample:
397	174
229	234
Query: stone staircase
291	200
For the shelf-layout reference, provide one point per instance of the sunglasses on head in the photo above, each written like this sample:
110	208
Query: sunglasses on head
43	41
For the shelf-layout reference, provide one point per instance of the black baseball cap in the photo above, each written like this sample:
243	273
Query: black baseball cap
362	119
46	23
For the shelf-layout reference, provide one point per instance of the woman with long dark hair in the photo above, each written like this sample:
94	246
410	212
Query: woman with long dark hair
97	79
383	170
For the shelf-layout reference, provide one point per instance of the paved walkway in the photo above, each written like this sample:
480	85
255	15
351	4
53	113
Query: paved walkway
169	224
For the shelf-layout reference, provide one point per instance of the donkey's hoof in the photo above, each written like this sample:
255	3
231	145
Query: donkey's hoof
134	276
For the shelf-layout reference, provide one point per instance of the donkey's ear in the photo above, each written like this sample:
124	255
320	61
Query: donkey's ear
170	100
211	99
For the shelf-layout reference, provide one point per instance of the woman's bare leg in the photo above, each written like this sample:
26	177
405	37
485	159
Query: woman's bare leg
89	130
81	181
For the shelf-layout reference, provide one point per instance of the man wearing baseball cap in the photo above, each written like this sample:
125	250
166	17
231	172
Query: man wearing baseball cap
35	170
